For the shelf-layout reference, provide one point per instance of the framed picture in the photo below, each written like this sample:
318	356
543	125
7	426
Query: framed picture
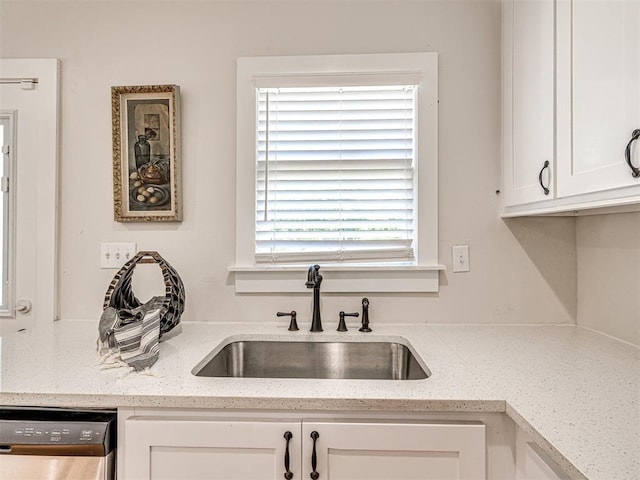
146	154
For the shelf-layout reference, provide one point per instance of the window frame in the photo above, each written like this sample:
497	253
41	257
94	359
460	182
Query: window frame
7	304
253	72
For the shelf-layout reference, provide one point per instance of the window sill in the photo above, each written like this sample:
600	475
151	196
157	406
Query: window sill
339	279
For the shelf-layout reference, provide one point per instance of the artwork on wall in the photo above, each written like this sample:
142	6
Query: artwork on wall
146	160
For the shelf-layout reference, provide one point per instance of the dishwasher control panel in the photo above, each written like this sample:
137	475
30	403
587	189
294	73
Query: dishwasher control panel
59	431
25	432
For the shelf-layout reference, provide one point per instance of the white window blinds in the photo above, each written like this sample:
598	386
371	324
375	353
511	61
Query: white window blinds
335	174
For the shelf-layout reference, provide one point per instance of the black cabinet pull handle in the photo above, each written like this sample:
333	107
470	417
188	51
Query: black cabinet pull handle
288	475
544	189
314	458
635	171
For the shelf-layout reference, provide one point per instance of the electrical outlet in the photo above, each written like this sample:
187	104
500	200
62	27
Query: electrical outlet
460	257
114	255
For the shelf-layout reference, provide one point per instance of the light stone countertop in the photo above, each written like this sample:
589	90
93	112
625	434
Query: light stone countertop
575	391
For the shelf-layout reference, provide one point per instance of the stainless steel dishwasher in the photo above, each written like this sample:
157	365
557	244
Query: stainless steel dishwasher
57	444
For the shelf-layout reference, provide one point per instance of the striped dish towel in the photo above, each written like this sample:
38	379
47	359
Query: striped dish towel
133	334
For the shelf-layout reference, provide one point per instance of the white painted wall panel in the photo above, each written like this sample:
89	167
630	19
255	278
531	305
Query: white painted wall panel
195	45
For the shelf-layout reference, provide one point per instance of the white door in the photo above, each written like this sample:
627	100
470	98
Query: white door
384	451
529	114
598	95
198	449
34	107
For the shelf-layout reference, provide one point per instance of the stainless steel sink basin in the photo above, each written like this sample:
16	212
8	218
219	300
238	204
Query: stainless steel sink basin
291	359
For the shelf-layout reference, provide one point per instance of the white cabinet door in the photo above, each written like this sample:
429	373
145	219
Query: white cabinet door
529	94
398	451
197	448
598	95
532	463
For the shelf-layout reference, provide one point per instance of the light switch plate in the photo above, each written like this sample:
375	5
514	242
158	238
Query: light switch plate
114	255
460	258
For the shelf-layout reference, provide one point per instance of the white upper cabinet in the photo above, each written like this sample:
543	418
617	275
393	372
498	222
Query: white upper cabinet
529	117
571	97
599	106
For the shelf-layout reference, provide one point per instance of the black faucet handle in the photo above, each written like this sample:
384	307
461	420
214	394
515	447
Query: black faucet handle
342	325
293	326
365	316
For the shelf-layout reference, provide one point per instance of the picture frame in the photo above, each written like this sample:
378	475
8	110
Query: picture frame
146	153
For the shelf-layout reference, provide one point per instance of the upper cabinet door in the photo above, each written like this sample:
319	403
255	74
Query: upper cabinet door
529	117
598	95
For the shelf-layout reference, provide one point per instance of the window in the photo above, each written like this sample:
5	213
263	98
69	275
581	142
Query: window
335	175
337	165
6	208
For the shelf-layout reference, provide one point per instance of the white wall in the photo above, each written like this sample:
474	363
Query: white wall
522	271
609	274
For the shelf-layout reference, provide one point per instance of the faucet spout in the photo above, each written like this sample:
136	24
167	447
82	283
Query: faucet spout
313	277
314	280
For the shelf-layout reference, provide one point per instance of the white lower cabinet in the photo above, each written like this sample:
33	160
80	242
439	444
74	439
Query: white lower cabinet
198	447
398	451
532	463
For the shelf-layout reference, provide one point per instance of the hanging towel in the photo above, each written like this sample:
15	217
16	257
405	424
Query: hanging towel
132	335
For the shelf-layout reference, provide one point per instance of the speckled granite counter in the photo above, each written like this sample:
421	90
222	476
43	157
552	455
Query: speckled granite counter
576	392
